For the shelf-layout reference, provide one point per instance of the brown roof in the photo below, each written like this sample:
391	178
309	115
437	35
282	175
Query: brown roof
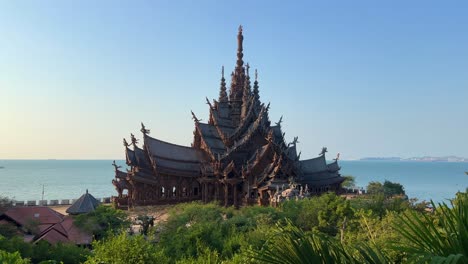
53	226
65	232
43	215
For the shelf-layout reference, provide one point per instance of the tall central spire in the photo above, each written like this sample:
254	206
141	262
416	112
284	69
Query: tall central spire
240	55
237	82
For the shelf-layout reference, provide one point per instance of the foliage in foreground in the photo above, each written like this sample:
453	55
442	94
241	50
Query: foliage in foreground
441	240
42	251
12	258
123	249
324	229
103	221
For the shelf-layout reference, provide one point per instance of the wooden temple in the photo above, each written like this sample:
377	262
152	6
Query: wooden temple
237	158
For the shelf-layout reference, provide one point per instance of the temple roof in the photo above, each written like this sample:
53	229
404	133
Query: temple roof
333	167
120	174
171	158
141	158
130	157
322	179
314	165
212	139
161	149
85	204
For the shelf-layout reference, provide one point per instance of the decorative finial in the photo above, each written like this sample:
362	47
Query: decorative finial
337	156
86	191
240	55
144	130
134	140
209	103
324	150
247	67
125	143
280	121
194	117
256	92
222	90
116	166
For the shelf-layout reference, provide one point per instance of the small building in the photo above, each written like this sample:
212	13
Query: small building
41	223
85	204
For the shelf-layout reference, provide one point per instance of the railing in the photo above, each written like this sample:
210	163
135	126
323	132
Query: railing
104	200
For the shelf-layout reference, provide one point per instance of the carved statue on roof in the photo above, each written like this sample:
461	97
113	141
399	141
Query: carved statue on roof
134	140
324	150
209	103
337	157
144	130
295	141
116	166
280	121
194	117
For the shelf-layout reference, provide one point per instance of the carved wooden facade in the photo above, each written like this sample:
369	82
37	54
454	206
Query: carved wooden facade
236	158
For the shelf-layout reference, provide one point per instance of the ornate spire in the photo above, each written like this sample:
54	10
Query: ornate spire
222	91
247	82
255	88
246	93
240	55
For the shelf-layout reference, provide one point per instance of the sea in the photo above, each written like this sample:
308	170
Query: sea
69	179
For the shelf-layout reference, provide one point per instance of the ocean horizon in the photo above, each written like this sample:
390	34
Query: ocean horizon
69	179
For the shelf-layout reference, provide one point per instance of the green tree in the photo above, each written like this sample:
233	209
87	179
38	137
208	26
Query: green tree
442	238
393	188
325	213
12	258
375	188
102	221
123	249
5	203
349	182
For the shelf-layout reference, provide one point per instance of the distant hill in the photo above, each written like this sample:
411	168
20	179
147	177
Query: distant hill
382	158
420	159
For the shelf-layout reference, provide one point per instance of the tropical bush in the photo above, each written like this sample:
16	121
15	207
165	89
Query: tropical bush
103	221
12	258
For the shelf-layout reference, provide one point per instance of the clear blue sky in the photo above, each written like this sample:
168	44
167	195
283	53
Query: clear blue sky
364	78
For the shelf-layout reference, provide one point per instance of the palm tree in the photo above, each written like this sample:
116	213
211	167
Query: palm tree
442	241
291	245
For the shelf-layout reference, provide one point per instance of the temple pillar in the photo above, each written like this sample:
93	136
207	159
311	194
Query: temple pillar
226	195
202	186
236	200
216	191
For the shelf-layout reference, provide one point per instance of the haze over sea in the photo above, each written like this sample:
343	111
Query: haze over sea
68	179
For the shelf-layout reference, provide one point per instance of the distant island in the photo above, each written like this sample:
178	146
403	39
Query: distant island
419	159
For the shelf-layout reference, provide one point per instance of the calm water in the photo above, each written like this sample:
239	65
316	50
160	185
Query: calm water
65	179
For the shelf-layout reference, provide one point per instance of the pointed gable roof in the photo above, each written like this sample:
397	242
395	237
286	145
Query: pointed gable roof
85	204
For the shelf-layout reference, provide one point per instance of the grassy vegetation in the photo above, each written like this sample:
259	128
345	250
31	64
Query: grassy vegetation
379	228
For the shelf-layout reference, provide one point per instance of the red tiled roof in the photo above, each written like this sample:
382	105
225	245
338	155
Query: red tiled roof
41	214
65	232
53	226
